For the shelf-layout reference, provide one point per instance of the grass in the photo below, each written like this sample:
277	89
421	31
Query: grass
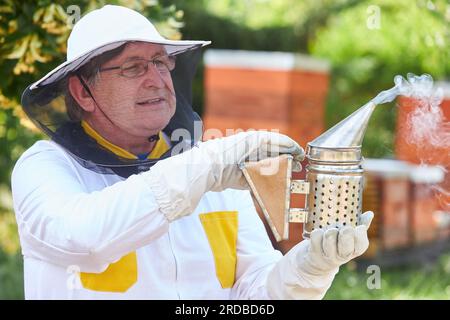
415	282
11	276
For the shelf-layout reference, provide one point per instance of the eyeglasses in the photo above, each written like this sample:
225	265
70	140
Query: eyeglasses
138	67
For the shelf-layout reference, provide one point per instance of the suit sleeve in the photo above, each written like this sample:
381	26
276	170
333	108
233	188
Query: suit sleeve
60	222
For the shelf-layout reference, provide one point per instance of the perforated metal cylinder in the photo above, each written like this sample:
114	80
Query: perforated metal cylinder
335	198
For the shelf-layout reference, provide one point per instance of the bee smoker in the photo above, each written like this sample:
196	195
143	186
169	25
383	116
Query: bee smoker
333	184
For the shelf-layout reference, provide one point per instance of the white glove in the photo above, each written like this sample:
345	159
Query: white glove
308	269
180	181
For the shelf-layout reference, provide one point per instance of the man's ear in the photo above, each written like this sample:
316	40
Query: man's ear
81	96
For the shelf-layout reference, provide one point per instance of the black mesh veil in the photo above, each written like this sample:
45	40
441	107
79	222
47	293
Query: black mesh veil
45	106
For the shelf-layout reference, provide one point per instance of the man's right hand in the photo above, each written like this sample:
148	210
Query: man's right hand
180	181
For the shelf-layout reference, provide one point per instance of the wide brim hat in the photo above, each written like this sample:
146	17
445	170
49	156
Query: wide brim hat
106	29
97	32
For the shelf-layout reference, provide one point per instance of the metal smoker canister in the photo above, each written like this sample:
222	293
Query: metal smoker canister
335	177
335	174
333	185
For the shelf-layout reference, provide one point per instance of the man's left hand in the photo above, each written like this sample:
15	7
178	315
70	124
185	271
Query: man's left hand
308	269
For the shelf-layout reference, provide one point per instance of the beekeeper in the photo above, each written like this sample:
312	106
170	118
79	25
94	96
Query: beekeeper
124	202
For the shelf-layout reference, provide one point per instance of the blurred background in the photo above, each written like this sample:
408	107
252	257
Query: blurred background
298	67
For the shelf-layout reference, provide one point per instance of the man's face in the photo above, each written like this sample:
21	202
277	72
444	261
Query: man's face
140	106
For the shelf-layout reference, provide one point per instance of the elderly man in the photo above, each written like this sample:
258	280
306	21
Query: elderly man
124	203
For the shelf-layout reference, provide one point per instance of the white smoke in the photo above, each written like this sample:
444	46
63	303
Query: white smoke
426	126
426	122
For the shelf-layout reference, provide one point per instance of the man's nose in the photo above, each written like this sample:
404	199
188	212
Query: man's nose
153	78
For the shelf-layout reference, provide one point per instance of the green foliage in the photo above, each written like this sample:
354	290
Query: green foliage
275	25
413	36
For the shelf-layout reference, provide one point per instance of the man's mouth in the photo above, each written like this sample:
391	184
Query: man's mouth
150	102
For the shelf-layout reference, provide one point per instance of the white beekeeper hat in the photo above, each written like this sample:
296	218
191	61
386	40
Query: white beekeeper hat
106	29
